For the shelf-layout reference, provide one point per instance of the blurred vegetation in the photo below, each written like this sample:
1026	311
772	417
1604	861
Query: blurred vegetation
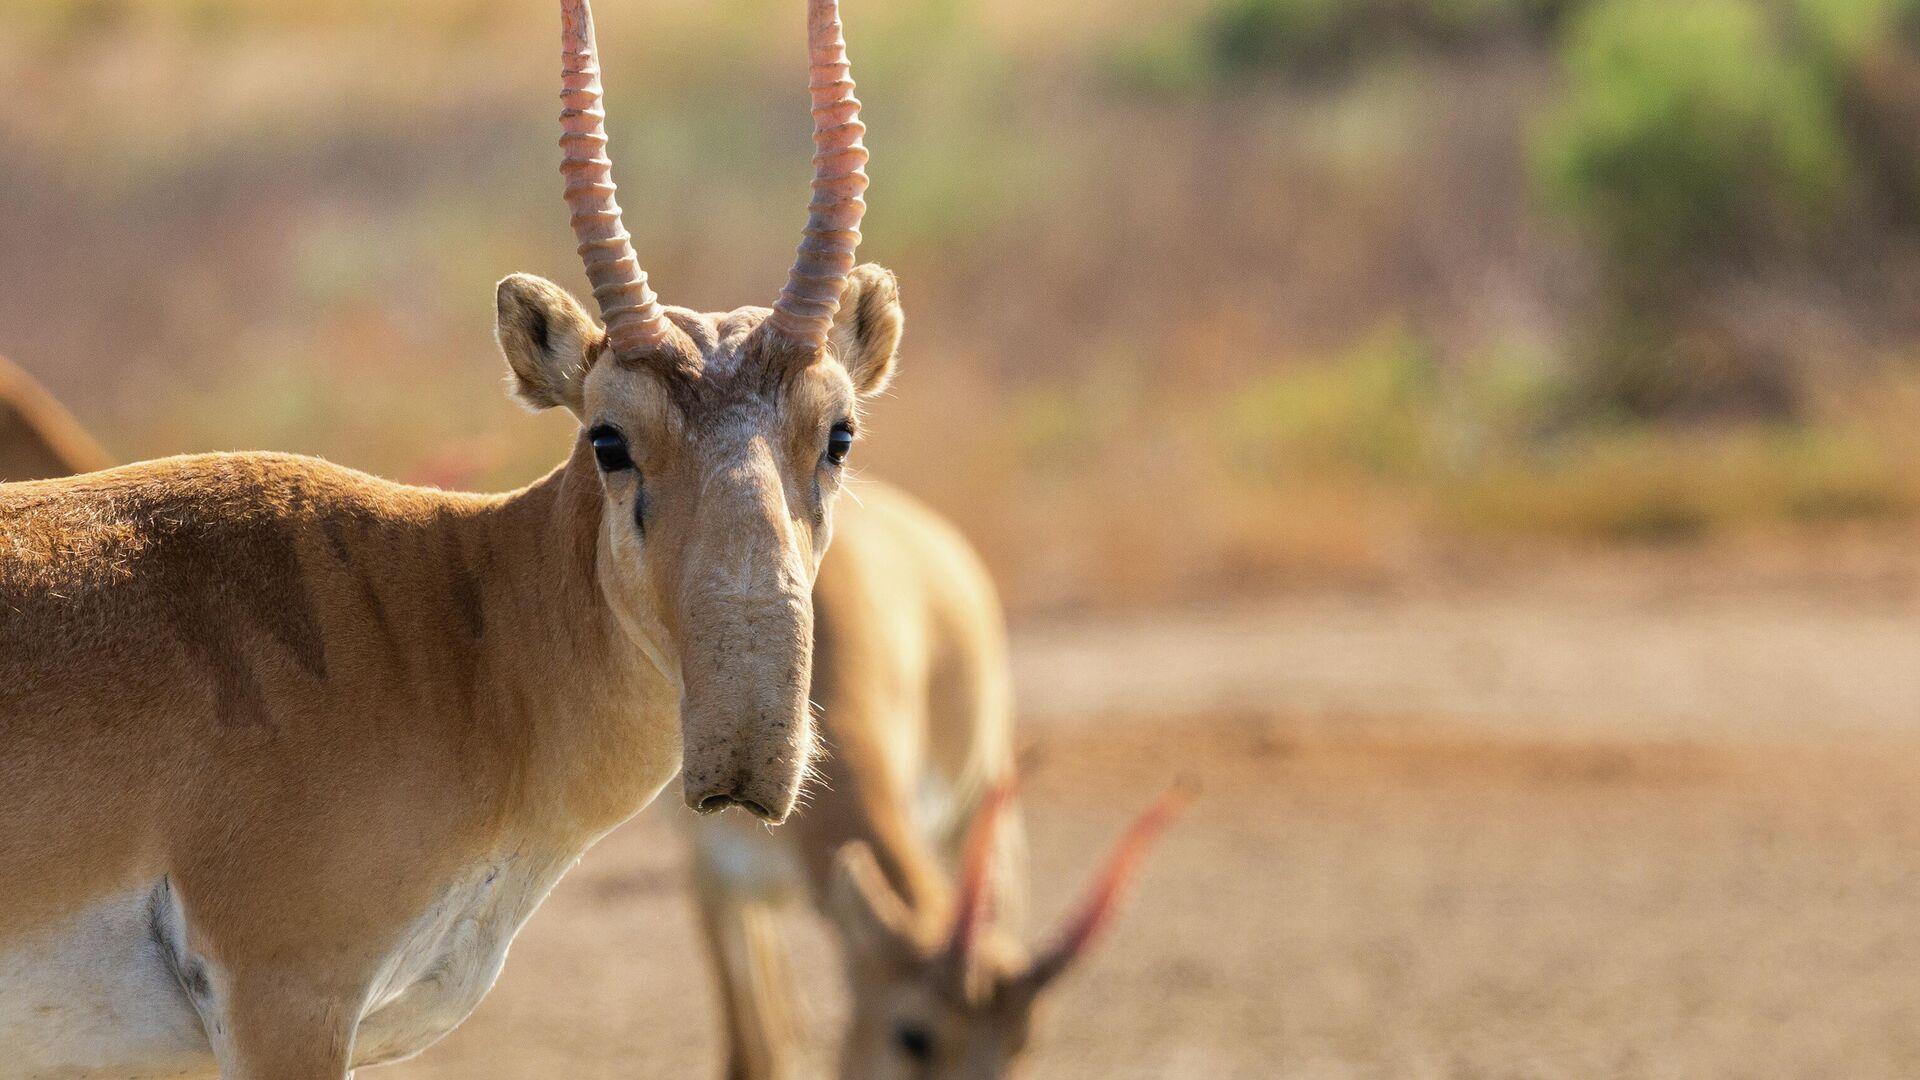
1721	141
1203	294
1247	37
1688	128
1238	41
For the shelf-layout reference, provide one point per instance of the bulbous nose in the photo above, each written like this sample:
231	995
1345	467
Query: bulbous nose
746	628
741	792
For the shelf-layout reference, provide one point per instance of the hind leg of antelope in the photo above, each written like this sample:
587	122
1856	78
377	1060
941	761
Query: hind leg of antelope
271	1027
749	962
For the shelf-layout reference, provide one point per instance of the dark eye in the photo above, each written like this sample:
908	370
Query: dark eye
914	1041
839	442
610	449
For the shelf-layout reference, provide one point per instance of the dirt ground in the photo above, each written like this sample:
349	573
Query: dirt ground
1558	831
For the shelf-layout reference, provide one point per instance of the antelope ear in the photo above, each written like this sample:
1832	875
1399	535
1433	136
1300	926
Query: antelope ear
864	905
548	340
866	329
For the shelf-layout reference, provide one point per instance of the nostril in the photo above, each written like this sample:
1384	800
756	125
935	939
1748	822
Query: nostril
713	804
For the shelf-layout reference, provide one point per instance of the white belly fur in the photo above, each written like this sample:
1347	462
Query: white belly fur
96	997
93	995
452	958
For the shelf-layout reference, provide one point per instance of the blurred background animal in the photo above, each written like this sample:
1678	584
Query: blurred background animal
916	714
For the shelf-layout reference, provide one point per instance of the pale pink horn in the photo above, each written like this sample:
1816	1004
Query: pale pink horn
1103	899
635	324
976	873
804	313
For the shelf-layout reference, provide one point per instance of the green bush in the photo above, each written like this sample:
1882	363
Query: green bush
1251	35
1843	31
1689	130
1316	36
1367	411
1470	17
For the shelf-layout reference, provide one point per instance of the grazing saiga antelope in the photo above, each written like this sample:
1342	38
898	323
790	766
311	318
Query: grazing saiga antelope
289	753
39	438
910	672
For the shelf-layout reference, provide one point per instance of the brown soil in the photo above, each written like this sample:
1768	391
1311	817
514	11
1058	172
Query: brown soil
1610	852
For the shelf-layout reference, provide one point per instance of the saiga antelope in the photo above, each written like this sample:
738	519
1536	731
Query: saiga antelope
910	671
910	664
39	438
288	753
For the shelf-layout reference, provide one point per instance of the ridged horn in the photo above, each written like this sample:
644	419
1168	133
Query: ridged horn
804	313
629	308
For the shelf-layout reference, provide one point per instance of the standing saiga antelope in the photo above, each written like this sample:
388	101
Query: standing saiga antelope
288	753
910	672
910	661
910	664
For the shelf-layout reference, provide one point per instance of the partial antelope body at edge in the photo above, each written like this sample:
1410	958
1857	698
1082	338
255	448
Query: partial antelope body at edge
911	843
288	753
38	437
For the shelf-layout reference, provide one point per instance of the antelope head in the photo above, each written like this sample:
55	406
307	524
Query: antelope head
956	1002
718	439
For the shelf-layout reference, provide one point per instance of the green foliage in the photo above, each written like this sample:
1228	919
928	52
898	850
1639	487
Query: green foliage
1367	411
1643	482
1845	30
1249	35
1719	140
1468	16
1491	446
1688	128
1311	36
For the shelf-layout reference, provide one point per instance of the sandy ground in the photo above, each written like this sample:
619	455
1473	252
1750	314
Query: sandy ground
1549	833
